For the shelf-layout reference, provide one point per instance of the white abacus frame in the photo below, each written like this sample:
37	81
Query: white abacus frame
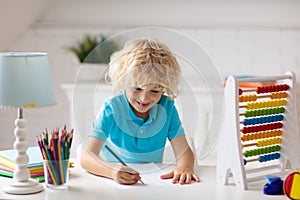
230	161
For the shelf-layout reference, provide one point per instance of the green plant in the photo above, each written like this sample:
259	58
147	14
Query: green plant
94	49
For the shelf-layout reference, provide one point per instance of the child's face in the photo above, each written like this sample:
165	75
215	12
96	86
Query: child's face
142	99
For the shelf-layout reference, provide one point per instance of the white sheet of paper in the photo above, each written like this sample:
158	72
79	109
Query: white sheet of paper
150	174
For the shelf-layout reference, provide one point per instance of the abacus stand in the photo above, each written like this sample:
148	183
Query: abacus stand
230	162
22	183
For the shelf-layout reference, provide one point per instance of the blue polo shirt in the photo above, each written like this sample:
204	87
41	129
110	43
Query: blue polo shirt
131	138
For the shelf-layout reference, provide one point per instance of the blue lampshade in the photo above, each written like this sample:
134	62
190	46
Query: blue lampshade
25	80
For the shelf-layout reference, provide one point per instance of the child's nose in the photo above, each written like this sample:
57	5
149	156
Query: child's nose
144	96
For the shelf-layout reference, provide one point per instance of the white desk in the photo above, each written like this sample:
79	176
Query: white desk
83	185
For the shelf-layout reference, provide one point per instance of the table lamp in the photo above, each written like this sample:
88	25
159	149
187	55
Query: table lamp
25	82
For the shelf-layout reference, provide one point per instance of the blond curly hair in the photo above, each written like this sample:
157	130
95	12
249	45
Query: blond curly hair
145	61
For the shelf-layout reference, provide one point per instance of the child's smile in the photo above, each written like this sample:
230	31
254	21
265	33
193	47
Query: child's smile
143	105
143	99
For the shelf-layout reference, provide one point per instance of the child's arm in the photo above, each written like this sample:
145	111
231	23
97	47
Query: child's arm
91	162
184	171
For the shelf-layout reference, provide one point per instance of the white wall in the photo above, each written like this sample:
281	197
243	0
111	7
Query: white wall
237	13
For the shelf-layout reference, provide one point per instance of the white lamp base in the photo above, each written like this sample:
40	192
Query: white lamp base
22	183
27	187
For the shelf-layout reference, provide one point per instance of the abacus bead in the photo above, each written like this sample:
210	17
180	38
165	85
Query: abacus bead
243	138
249	106
241	99
250	137
258	90
269	134
247	114
279	140
286	87
278	147
272	157
267	158
246	153
250	153
259	143
240	91
270	104
278	110
284	95
261	159
255	105
278	102
246	122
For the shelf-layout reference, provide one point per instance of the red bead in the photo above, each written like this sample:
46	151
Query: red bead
240	91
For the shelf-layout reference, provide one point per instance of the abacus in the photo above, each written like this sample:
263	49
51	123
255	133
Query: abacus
260	135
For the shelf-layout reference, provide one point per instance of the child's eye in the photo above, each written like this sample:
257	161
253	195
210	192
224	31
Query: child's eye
138	89
155	91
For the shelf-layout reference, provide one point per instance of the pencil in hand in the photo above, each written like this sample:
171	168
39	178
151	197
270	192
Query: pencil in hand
119	159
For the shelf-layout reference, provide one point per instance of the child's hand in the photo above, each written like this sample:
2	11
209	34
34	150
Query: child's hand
126	175
181	175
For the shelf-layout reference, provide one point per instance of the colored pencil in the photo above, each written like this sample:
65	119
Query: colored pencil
55	150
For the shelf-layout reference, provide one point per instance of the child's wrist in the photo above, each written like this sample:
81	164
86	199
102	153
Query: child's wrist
113	168
184	166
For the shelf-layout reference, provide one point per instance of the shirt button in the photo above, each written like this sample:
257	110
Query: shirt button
141	131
